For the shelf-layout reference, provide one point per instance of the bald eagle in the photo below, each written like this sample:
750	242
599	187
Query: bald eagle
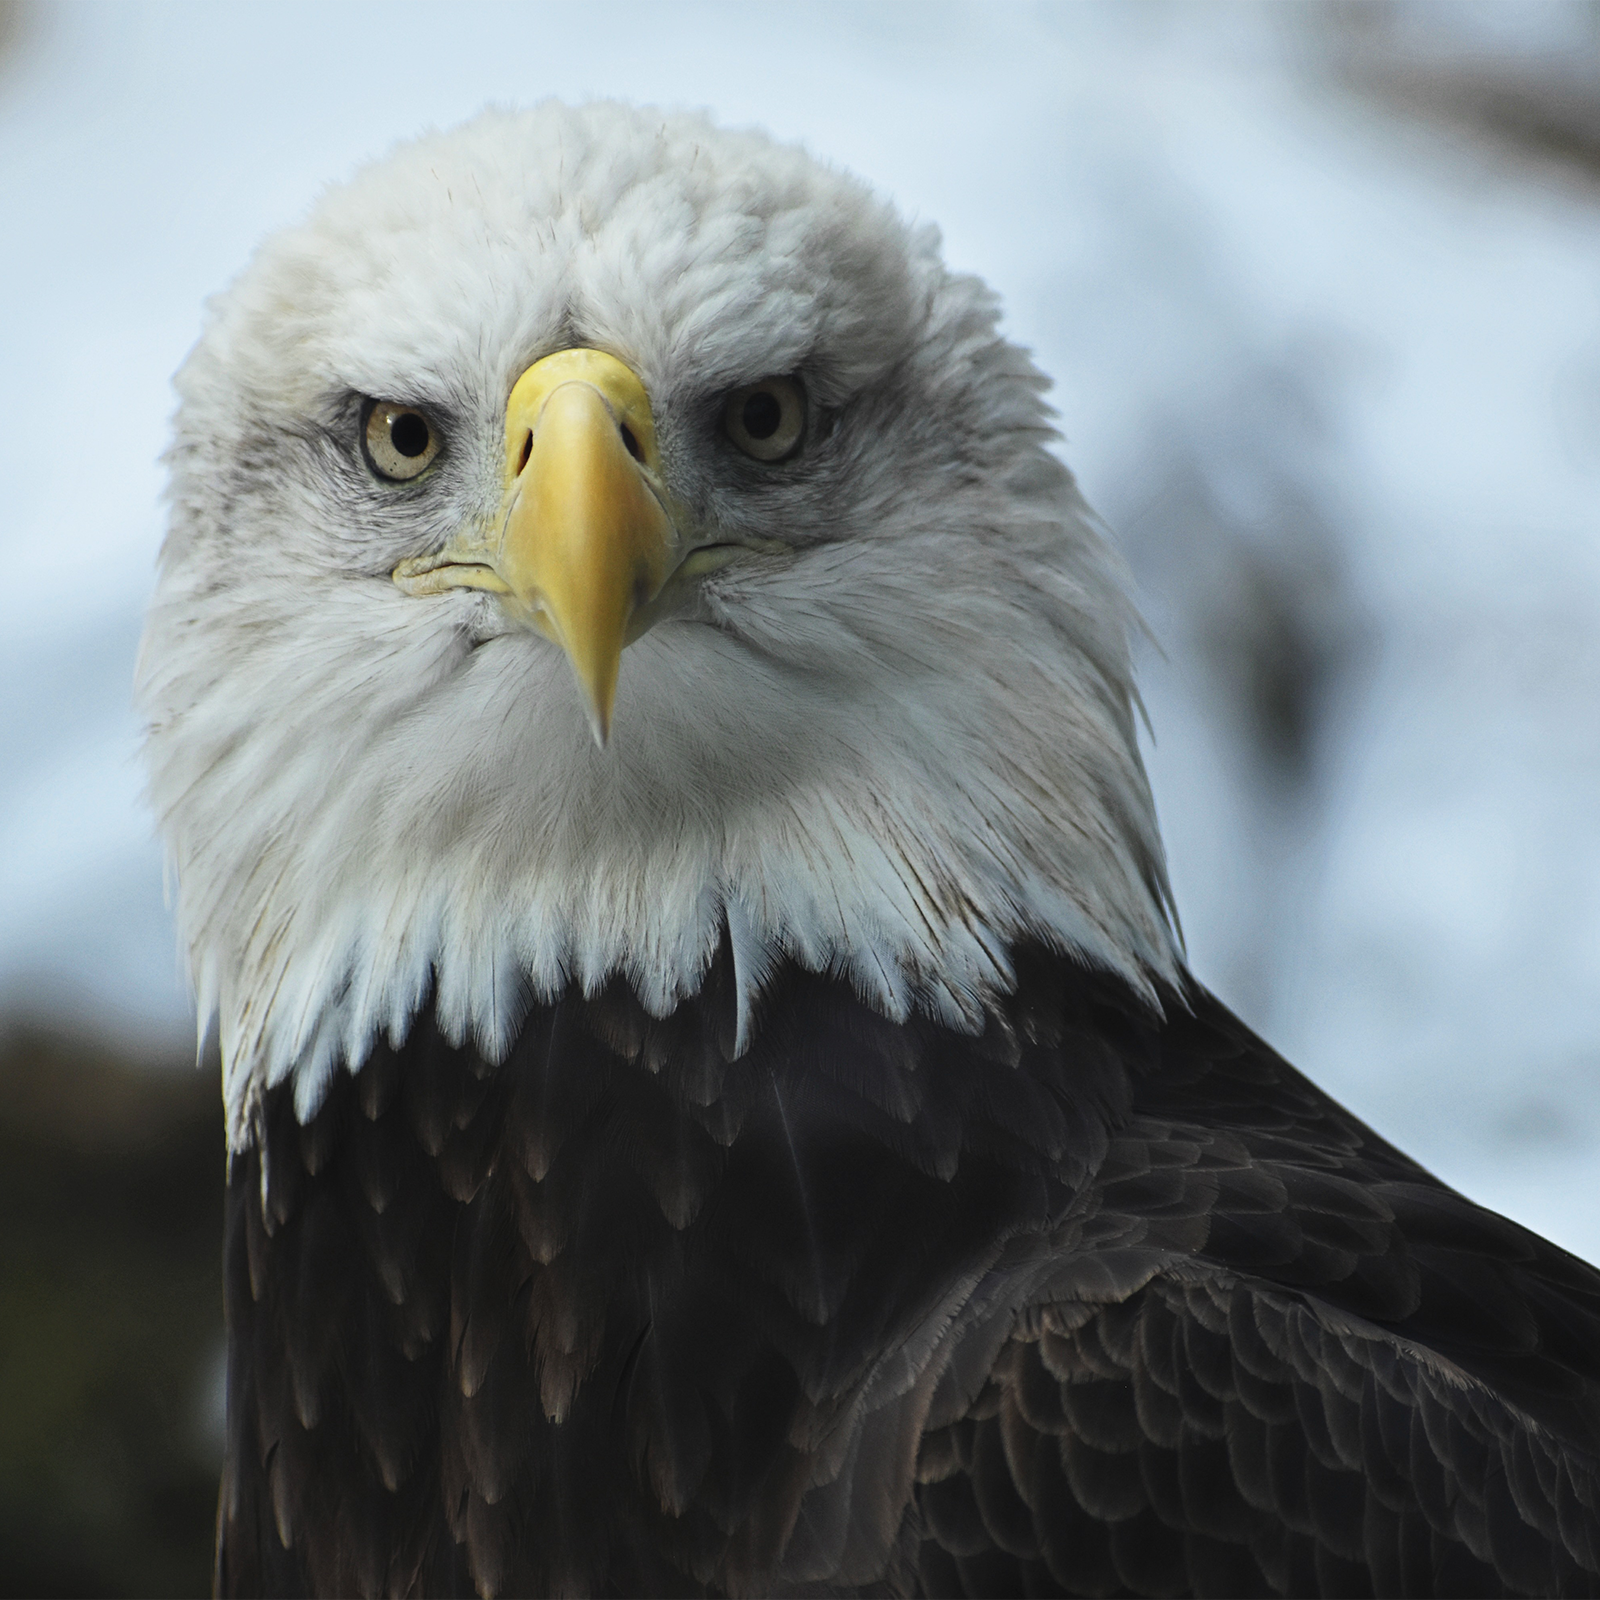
643	726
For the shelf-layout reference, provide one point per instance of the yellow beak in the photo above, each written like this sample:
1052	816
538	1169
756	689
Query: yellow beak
585	540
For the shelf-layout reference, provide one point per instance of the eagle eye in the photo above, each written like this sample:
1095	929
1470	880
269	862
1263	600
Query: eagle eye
767	419
398	441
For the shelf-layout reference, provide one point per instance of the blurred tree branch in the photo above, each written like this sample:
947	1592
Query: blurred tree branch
1535	95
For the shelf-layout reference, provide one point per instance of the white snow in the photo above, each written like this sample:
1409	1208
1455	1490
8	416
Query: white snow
1253	289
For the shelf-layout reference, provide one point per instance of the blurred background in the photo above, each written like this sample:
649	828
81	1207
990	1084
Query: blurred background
1319	285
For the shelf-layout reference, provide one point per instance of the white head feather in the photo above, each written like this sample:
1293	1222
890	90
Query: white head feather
890	748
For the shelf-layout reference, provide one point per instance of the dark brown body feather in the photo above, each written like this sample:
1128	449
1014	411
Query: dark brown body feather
1094	1304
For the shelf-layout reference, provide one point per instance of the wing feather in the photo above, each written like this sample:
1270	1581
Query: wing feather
1303	1489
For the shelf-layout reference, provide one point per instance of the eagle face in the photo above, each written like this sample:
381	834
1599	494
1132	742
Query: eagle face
595	534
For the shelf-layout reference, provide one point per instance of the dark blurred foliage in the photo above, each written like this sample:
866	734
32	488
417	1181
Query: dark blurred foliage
111	1182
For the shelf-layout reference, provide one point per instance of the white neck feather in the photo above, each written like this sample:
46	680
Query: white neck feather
347	839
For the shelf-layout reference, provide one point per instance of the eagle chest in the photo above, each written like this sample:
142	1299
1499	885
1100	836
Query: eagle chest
613	1313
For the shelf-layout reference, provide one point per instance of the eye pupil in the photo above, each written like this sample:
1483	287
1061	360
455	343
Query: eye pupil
409	434
761	414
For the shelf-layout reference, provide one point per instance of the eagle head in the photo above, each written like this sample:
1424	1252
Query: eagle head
596	536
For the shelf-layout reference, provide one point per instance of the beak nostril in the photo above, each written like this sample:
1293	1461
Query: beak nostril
527	450
630	443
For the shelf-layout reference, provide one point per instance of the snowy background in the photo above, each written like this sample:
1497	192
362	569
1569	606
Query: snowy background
1320	288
